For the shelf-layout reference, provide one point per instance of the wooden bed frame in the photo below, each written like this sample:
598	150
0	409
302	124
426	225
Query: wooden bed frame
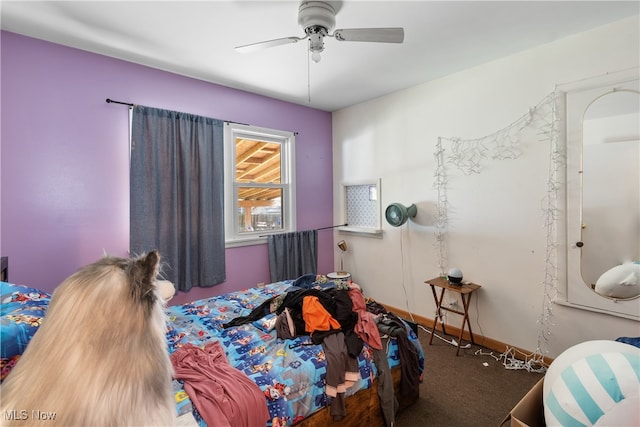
363	408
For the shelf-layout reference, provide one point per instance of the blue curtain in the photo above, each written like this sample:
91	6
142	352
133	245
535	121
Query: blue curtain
177	193
292	255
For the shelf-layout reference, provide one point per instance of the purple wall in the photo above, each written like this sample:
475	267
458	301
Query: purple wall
64	163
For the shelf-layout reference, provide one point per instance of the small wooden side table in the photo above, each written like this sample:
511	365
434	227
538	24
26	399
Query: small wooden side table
465	290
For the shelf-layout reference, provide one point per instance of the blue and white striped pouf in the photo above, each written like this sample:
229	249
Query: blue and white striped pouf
595	383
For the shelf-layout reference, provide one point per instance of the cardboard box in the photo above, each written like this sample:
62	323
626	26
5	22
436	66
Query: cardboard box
529	412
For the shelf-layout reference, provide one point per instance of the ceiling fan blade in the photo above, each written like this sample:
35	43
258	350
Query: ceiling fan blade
380	35
253	47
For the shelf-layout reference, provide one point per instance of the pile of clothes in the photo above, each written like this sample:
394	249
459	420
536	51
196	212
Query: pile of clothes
334	314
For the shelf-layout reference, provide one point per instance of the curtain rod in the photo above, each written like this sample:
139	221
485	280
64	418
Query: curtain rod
316	229
111	101
332	226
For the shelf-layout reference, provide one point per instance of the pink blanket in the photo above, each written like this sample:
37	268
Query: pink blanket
223	395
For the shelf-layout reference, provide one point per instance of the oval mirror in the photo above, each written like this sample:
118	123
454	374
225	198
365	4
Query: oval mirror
610	211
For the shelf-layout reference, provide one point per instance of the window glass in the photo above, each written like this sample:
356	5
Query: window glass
259	209
257	161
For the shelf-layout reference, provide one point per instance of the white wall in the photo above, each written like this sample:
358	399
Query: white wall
497	234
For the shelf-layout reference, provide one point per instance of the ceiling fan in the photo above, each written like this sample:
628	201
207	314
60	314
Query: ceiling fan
318	18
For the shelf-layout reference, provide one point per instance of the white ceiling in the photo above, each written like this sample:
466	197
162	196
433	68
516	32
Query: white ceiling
197	39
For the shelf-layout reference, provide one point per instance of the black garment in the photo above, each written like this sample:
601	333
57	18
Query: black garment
386	393
336	301
293	303
293	300
257	313
409	364
376	308
347	318
392	325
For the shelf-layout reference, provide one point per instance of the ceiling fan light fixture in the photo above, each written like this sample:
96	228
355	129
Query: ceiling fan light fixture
316	41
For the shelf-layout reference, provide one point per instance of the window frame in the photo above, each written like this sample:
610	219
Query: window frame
376	208
233	237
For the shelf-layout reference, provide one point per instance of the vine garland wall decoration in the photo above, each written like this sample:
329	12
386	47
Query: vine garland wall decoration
469	156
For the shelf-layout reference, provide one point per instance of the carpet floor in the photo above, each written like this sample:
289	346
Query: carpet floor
473	389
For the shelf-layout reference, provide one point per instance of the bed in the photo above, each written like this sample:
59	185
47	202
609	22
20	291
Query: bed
290	373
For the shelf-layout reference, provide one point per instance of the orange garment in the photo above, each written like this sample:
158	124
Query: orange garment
316	317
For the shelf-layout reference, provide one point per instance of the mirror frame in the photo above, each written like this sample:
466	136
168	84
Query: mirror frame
578	97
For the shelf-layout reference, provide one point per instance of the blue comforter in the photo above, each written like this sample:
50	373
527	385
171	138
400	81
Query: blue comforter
289	372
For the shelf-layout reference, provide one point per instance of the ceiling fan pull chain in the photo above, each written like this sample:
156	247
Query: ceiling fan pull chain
308	76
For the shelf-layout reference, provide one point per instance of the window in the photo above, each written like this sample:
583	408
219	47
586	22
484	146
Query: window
361	207
259	183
